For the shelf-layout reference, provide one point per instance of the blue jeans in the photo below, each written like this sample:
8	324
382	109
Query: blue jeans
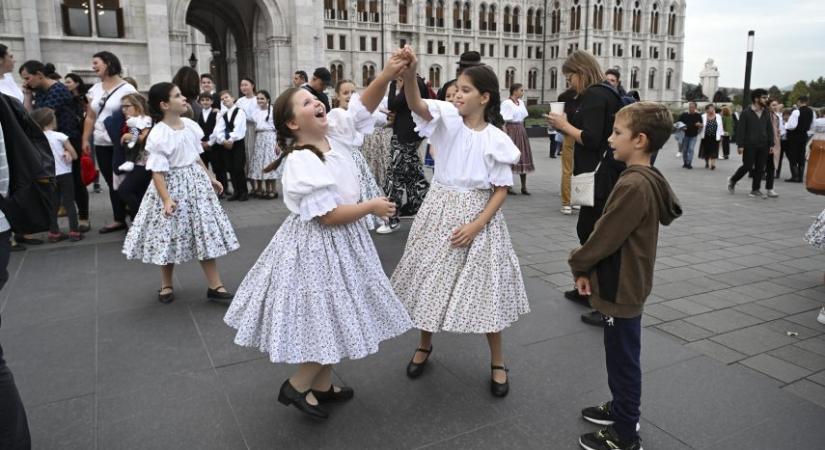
688	144
622	349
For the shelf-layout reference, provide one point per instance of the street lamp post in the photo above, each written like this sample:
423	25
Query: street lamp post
748	64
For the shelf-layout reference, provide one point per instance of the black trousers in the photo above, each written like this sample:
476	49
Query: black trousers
214	156
726	146
232	161
81	194
622	351
754	159
133	187
588	215
405	175
796	157
104	162
63	195
14	427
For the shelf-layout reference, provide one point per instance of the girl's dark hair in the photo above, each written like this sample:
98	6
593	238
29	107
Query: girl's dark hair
34	67
3	51
514	87
189	82
252	82
43	117
159	93
335	102
485	80
442	93
113	66
284	113
266	94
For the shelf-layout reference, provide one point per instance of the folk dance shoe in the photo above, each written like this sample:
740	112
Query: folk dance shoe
288	395
343	394
414	369
219	296
496	388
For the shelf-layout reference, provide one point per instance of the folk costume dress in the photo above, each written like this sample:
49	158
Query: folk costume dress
475	289
199	228
514	115
265	150
340	119
318	293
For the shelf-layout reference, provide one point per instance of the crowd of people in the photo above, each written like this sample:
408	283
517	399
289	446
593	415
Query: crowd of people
317	293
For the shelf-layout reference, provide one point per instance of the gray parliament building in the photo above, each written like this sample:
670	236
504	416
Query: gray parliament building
525	41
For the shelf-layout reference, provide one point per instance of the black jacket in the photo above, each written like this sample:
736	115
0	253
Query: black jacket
403	127
319	95
597	109
754	131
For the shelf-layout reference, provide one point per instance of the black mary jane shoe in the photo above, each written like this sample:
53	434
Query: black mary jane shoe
219	296
414	369
345	393
290	396
524	192
168	297
500	389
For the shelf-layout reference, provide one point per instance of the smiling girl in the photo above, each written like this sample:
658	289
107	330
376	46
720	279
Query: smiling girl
459	272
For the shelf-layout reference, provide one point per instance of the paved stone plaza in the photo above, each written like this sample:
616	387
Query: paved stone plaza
732	354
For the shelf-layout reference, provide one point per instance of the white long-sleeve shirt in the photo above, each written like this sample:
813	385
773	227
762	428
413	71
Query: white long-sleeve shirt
511	112
238	132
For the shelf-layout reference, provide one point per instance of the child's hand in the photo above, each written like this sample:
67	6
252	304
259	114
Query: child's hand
67	156
583	285
217	186
169	207
227	145
125	138
464	235
382	207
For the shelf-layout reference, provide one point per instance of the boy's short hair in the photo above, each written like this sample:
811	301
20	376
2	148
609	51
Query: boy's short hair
204	95
43	117
651	118
224	92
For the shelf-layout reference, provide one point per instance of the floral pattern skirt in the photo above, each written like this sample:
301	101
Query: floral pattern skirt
369	188
265	152
376	151
198	229
816	234
316	294
475	289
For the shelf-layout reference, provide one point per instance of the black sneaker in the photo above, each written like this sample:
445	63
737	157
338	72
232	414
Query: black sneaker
574	296
600	415
594	318
607	439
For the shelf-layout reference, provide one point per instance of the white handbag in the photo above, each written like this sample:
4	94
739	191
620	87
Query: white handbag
583	187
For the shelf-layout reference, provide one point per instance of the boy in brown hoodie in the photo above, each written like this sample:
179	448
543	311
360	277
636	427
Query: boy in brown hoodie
615	267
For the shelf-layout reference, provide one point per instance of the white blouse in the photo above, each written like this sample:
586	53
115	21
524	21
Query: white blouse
313	187
261	122
467	159
169	148
249	106
512	112
96	95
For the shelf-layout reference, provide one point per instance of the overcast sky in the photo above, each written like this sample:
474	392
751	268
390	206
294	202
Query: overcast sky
790	40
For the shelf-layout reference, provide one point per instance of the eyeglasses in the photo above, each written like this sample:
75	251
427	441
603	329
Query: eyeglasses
126	106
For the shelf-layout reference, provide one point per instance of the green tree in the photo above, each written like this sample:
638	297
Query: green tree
775	92
799	88
816	92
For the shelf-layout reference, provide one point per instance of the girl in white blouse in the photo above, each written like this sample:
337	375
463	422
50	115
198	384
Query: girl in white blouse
266	149
514	111
180	217
318	293
459	271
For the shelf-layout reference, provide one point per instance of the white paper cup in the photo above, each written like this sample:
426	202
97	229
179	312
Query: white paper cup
557	107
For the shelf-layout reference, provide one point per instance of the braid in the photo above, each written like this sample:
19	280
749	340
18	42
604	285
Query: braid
285	137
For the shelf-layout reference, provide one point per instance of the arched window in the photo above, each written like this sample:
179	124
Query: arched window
428	13
516	14
669	79
637	18
618	16
482	17
341	13
575	16
651	79
539	22
671	21
402	11
654	20
555	19
457	15
374	17
508	20
435	76
439	14
337	72
530	29
467	20
634	78
509	78
491	20
554	78
598	16
367	73
532	78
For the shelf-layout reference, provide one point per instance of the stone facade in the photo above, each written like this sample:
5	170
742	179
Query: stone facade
525	41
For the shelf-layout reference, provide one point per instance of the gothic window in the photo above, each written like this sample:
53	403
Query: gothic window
654	20
651	80
435	76
342	10
491	21
598	16
337	72
402	11
555	20
554	78
575	16
539	23
429	13
374	17
516	14
532	78
508	24
509	78
530	21
669	79
634	78
618	16
367	74
671	21
457	15
439	14
482	17
637	18
467	21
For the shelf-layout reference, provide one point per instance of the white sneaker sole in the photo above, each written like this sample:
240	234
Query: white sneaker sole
607	423
591	448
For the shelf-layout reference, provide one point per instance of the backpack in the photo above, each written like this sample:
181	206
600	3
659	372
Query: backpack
624	99
28	206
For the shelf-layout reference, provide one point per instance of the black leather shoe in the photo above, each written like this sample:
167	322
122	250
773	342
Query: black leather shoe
233	197
166	298
289	396
243	197
219	296
500	389
345	393
594	318
574	296
414	370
